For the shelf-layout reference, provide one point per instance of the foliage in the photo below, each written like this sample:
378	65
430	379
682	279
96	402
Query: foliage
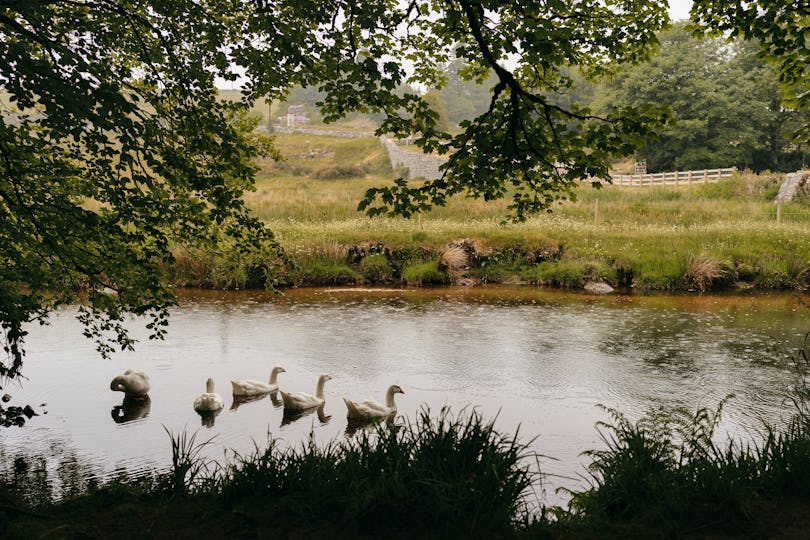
113	149
726	106
376	268
429	474
668	472
426	273
523	146
780	29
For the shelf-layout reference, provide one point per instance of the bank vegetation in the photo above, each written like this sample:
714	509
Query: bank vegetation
728	235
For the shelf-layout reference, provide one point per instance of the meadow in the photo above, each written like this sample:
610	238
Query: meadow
721	236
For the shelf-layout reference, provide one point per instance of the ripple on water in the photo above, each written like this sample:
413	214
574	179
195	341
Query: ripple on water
543	362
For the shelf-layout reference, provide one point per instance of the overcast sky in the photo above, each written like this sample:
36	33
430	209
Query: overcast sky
679	9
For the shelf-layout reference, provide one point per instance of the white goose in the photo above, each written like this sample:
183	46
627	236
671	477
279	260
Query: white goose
370	409
208	401
299	401
134	383
251	387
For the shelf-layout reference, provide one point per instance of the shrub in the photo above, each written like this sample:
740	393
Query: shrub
376	268
427	273
335	172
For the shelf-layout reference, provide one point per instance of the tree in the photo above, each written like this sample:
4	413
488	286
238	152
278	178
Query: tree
113	150
780	29
435	104
726	104
464	99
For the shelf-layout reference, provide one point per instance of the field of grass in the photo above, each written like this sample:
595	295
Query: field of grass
701	237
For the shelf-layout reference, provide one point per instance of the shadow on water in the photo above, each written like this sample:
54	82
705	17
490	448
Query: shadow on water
131	409
291	416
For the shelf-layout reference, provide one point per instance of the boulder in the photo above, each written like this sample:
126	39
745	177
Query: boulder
794	182
595	287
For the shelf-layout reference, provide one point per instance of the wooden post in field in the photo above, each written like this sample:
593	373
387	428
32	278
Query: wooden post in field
596	213
689	177
778	212
420	218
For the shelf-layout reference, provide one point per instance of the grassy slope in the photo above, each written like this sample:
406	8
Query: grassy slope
703	236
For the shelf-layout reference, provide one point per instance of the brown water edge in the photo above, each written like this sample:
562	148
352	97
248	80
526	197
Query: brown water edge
795	301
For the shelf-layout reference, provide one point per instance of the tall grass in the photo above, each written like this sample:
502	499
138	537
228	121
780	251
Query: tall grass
671	474
447	472
699	237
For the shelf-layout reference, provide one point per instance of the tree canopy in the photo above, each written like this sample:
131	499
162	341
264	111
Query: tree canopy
726	104
114	149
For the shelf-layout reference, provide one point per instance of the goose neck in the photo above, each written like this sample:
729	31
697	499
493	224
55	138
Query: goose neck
389	398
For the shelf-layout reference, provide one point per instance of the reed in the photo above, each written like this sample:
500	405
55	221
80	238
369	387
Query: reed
448	472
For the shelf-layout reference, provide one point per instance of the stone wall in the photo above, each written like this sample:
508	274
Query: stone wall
325	132
418	165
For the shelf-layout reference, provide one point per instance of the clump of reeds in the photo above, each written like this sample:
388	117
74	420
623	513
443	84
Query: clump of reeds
703	272
667	474
452	473
189	466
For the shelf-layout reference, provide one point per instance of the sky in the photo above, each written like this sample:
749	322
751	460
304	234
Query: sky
679	9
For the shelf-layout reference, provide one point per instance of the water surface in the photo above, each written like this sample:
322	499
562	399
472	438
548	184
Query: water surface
539	360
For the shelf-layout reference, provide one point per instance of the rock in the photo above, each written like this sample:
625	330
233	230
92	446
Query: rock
594	287
793	183
29	411
6	398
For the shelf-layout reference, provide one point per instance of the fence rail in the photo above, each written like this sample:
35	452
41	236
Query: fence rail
674	178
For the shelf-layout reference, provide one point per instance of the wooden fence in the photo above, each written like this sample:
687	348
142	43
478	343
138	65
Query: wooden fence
675	178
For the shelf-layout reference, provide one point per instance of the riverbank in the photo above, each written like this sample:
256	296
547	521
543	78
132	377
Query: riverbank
711	237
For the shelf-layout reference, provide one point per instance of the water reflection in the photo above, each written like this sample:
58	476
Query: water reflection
131	409
354	425
291	416
541	360
238	401
208	418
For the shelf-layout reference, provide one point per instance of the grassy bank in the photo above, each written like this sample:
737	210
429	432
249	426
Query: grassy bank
703	237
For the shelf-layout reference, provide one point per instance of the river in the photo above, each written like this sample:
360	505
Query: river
541	360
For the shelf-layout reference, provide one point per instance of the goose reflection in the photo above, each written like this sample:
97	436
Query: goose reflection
291	416
238	401
131	409
371	426
207	418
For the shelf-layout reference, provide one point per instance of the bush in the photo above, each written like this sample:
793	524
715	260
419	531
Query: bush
339	171
376	268
424	274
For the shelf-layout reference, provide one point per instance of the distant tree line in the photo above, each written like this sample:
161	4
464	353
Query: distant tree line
726	103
